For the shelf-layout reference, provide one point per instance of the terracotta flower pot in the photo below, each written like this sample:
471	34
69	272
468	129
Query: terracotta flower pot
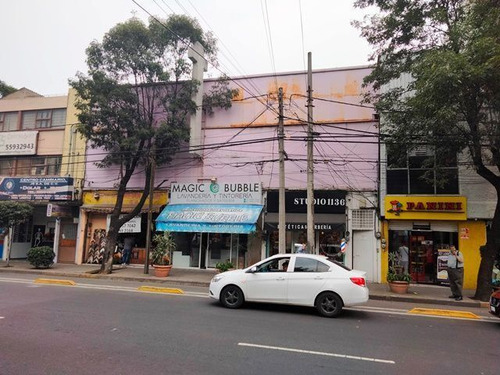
162	271
400	287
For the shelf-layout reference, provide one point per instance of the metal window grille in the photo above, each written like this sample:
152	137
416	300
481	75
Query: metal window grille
362	219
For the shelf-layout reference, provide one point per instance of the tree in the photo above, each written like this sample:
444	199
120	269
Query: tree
5	89
12	214
135	102
450	49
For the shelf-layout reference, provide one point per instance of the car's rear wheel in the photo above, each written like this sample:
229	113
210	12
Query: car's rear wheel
232	297
329	304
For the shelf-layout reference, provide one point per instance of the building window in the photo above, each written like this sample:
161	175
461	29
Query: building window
6	167
421	173
362	219
39	166
43	119
8	121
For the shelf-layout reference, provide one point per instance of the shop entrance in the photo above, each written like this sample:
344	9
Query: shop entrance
226	247
205	250
418	252
421	258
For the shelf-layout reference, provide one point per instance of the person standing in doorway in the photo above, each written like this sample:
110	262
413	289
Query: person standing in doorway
456	273
128	245
403	253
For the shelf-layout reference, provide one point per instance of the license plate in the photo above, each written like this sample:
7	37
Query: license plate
492	309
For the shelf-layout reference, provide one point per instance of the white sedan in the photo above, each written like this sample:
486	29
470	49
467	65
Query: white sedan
293	279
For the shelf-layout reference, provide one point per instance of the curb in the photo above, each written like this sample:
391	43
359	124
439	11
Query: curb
432	301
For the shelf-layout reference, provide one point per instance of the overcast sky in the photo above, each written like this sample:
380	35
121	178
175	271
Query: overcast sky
43	42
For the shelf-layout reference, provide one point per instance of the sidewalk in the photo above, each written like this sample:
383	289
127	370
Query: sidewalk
429	294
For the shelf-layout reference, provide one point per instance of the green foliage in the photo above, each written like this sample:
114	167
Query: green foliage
135	102
13	213
224	266
395	272
164	244
436	83
449	55
6	89
41	257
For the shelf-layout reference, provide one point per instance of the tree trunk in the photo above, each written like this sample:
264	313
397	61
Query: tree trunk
9	246
109	248
488	255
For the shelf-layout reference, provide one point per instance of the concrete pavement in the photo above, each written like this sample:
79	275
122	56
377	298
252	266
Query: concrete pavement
418	293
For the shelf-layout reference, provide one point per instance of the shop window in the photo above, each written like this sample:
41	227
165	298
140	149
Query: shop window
22	232
8	121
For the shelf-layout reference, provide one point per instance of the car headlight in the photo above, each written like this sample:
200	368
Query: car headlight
217	278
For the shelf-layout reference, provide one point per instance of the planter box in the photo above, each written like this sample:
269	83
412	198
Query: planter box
399	287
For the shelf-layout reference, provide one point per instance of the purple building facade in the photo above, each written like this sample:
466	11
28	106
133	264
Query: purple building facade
239	147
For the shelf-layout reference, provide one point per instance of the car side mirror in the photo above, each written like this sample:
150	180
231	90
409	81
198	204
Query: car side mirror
252	270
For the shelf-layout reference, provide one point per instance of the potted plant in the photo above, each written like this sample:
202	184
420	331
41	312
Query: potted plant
398	279
224	266
161	254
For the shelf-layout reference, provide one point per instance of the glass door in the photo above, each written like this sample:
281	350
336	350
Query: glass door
421	249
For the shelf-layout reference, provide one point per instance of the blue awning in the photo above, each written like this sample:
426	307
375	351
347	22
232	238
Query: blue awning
209	218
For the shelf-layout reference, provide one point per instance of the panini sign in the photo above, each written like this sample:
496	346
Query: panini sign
426	207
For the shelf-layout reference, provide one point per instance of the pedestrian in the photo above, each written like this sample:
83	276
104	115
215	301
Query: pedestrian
456	273
128	245
403	254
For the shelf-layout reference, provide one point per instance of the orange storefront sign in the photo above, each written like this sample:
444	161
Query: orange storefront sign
425	207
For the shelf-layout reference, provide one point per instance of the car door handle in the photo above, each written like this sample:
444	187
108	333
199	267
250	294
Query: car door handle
318	278
280	278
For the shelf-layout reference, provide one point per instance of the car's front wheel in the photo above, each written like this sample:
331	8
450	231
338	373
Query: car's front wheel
232	297
329	304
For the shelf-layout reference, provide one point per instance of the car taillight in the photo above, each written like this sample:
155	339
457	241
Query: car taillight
359	281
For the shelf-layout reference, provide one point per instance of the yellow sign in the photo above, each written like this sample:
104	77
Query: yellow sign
421	207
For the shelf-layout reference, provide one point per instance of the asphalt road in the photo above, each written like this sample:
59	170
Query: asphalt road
115	329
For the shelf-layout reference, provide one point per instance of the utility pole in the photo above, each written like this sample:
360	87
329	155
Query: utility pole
281	146
310	160
150	208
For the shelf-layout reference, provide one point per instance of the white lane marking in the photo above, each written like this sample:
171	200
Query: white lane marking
9	280
346	356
